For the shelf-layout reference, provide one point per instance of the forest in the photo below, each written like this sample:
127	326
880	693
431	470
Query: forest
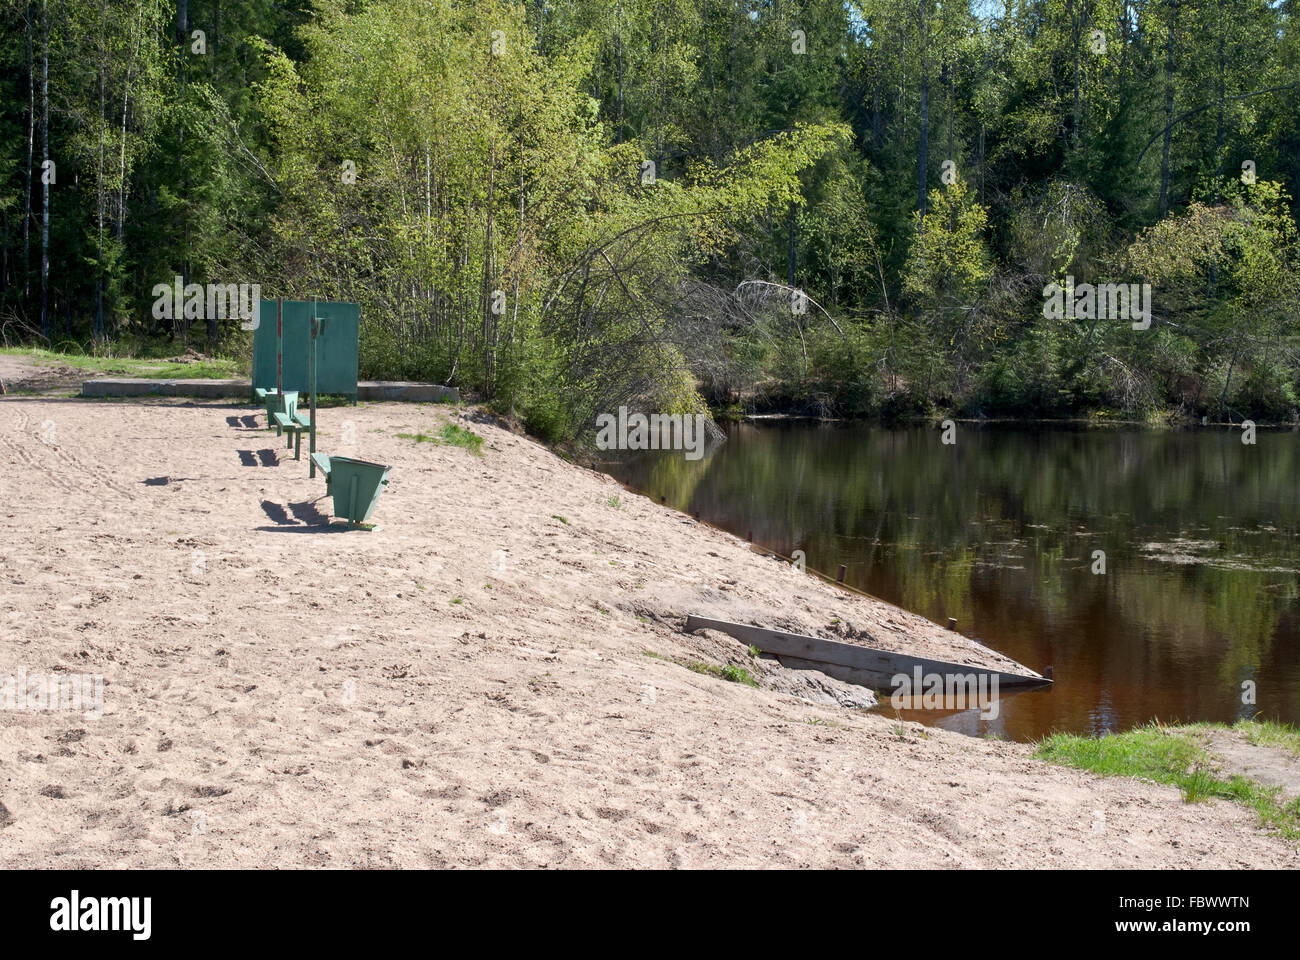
841	209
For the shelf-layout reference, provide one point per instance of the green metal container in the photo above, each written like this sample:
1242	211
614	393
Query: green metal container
356	485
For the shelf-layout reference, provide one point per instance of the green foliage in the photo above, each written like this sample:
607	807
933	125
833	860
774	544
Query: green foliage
502	234
1232	270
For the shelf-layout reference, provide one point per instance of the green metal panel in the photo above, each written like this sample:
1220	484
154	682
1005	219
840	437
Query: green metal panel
336	346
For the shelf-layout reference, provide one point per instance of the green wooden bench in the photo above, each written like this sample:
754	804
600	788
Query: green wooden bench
322	462
263	394
276	404
289	420
271	397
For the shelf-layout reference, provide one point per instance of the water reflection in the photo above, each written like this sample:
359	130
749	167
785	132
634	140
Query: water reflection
1009	531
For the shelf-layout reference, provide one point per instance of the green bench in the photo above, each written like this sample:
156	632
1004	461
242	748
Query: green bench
354	484
288	420
271	397
322	462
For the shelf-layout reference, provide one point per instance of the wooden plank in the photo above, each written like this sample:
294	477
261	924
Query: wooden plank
871	666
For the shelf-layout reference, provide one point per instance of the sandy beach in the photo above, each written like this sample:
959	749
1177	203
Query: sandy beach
493	678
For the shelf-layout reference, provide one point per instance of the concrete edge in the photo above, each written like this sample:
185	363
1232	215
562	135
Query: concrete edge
392	390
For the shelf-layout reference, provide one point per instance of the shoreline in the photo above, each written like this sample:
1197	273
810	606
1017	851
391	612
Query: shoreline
1091	422
496	676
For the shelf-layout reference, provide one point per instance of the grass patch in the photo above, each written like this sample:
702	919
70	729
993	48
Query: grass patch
1151	752
324	400
451	434
729	673
1270	733
556	516
457	436
738	675
821	722
1257	732
1172	755
152	368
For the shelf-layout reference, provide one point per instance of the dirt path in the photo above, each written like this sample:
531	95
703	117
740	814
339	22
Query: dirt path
20	375
473	684
1272	766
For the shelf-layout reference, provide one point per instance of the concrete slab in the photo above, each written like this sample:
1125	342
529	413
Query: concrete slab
399	390
140	387
406	390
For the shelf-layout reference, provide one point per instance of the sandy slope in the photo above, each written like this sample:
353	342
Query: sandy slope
280	696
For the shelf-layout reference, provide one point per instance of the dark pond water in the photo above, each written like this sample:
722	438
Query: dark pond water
1202	561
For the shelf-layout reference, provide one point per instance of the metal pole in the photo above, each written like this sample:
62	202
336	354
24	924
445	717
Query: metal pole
315	328
279	348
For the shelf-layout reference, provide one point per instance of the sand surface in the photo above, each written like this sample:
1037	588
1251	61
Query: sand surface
476	683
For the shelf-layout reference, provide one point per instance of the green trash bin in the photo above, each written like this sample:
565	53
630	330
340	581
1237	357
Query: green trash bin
356	485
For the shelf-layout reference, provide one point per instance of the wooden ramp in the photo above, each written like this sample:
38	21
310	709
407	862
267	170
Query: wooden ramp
848	661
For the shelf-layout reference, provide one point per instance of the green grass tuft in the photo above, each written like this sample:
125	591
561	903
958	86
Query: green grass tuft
457	436
738	675
729	673
451	434
1270	733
